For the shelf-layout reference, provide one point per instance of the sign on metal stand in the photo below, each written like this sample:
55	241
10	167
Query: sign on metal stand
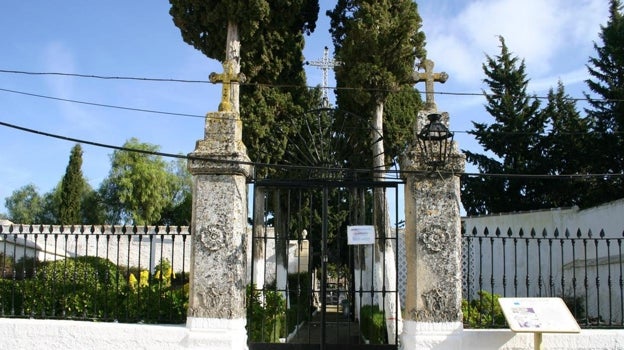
538	316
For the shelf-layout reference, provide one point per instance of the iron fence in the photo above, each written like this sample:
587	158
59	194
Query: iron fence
582	268
103	273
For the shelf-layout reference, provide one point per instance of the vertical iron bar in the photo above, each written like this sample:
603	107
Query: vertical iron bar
324	265
586	280
609	282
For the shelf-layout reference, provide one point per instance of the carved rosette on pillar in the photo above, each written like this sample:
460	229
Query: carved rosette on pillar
220	167
433	317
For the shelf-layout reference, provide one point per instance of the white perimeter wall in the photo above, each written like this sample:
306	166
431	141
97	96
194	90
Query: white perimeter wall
50	334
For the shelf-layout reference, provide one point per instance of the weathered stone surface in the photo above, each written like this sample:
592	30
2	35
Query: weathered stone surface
219	166
222	150
432	236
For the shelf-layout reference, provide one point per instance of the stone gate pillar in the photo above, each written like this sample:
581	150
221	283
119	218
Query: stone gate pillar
219	165
433	317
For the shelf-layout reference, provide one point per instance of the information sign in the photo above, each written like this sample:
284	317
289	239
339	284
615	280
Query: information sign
361	234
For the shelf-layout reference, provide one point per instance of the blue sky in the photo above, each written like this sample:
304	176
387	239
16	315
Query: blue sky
138	39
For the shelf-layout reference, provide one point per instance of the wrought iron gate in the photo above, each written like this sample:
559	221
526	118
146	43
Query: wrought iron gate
310	289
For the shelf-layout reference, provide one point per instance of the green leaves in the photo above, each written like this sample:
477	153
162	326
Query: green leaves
139	182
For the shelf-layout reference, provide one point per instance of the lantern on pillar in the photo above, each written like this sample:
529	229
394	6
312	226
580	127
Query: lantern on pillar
435	142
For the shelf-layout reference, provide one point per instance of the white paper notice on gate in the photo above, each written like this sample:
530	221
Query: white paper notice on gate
361	234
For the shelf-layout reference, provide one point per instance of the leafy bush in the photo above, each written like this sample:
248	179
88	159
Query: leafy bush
483	312
73	287
6	265
372	324
299	300
265	315
94	288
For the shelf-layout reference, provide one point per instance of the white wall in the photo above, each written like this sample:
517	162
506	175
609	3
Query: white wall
554	263
70	335
124	249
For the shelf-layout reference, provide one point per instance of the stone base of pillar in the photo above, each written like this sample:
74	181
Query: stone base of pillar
431	336
215	333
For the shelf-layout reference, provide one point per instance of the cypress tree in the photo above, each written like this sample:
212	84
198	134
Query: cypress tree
72	187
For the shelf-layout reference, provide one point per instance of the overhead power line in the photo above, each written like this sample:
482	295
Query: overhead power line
102	104
144	110
173	80
285	166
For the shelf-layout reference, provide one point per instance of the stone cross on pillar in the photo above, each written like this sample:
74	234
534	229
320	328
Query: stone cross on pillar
218	275
429	77
227	78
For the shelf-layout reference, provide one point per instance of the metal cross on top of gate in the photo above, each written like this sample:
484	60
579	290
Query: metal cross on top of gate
429	77
226	78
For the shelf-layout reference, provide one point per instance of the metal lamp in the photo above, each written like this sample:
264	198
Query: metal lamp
434	141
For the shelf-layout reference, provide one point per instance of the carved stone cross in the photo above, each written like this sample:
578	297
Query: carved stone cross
227	78
429	77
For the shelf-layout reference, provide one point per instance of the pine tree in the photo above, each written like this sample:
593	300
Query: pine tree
72	188
564	151
606	111
512	139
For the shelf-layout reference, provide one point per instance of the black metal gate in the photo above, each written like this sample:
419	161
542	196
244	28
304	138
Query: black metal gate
309	288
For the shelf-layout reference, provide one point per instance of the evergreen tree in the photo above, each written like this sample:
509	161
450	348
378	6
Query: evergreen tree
390	32
271	37
606	110
564	151
72	188
513	139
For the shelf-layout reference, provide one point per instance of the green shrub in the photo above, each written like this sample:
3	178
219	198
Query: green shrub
483	312
265	315
74	287
372	324
299	299
92	287
6	266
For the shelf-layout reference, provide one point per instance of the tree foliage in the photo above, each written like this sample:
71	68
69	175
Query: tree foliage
271	38
512	139
24	205
72	188
606	107
390	32
138	186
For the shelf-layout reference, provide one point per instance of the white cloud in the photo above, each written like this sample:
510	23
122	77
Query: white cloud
549	35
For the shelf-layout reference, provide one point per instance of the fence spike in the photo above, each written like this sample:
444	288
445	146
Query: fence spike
20	229
556	233
509	232
589	233
521	232
498	232
602	233
532	232
486	232
544	233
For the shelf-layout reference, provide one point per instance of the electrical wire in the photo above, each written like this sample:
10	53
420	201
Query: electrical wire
173	80
101	104
305	167
178	114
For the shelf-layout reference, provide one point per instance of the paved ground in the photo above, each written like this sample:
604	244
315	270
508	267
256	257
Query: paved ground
338	330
